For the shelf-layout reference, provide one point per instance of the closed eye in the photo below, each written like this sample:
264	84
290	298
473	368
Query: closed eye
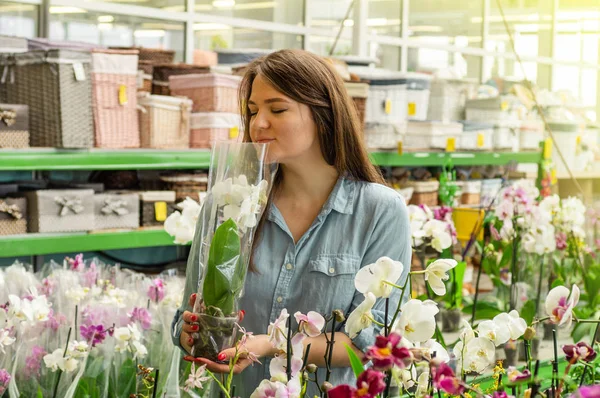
279	110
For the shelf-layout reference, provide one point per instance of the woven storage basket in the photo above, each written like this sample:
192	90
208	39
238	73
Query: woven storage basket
13	216
116	210
210	92
14	126
57	87
114	98
359	93
156	207
7	76
471	192
209	127
164	121
145	71
39	43
161	74
186	184
66	210
155	56
425	192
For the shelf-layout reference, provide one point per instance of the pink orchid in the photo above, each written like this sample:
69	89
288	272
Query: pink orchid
581	350
445	380
156	291
388	352
310	324
5	378
587	392
516	376
76	264
561	241
560	303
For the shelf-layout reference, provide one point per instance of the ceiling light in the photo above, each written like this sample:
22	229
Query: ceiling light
223	3
66	10
106	19
105	27
149	33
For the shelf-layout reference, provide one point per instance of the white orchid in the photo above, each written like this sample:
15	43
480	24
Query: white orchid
422	385
475	355
432	348
512	322
310	324
138	349
405	377
5	339
436	274
197	378
495	332
182	228
439	233
57	360
34	309
278	330
560	303
376	278
77	349
540	239
417	321
265	389
361	318
77	293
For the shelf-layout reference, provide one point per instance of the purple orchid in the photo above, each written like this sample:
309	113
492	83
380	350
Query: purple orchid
93	333
581	350
386	353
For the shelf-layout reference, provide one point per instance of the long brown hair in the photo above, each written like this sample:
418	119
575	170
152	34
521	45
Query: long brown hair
311	80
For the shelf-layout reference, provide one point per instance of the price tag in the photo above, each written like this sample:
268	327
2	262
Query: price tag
234	133
451	144
388	106
504	105
578	140
480	140
547	152
400	148
553	179
123	95
79	72
412	109
160	211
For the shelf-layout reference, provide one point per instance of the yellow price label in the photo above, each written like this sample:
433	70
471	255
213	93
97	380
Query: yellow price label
578	140
451	144
504	105
480	140
400	148
160	211
234	133
547	152
553	179
412	109
388	106
123	100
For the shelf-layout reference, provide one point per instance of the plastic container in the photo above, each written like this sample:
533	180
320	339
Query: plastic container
431	134
489	191
164	121
447	98
417	95
208	127
497	109
567	137
506	136
210	92
114	98
387	96
466	221
383	136
531	133
476	136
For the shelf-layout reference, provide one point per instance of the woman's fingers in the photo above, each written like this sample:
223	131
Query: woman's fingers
192	300
190	317
190	328
186	341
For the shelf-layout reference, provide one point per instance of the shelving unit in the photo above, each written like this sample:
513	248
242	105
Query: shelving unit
143	159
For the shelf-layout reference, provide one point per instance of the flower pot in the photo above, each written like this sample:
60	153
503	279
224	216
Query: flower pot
216	334
510	352
534	349
451	320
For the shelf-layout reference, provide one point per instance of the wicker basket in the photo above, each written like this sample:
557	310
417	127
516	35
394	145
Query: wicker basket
116	210
114	98
14	126
156	207
154	56
57	87
164	121
359	93
186	184
145	71
471	192
7	76
210	92
161	74
207	128
425	192
13	216
66	210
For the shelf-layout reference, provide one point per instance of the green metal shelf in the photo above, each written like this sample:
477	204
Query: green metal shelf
46	243
145	159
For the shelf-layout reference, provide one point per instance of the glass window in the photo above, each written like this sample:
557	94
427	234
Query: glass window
18	19
117	30
211	36
281	11
322	45
384	17
428	60
455	22
389	56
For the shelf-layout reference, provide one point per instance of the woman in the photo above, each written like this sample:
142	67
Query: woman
329	213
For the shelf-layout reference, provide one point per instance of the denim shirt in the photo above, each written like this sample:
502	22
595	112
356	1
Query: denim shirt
359	223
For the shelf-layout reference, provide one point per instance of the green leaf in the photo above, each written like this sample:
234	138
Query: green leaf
355	362
506	258
528	311
223	279
582	330
459	276
40	393
127	378
484	310
557	282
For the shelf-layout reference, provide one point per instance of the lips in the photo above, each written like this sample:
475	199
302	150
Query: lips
265	140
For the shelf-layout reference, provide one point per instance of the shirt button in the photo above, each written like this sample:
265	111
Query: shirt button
289	266
331	270
279	299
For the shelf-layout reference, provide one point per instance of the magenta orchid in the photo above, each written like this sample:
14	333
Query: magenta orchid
156	290
5	378
445	380
388	352
587	392
33	361
516	376
93	334
369	384
580	351
77	263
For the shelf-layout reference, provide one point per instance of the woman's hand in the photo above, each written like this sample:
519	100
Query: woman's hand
189	326
256	347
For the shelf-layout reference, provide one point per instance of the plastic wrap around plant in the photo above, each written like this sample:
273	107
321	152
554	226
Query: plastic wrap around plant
239	183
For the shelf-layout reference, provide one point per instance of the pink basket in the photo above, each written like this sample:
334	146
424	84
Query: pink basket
114	98
164	121
206	128
210	92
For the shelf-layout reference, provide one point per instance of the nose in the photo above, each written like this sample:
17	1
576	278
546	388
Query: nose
261	121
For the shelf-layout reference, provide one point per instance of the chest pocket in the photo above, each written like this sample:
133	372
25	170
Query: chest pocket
330	280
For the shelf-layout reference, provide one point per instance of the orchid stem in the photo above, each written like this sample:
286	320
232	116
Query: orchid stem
479	272
60	371
155	389
593	339
539	289
400	301
219	384
392	284
289	350
375	322
387	313
330	344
